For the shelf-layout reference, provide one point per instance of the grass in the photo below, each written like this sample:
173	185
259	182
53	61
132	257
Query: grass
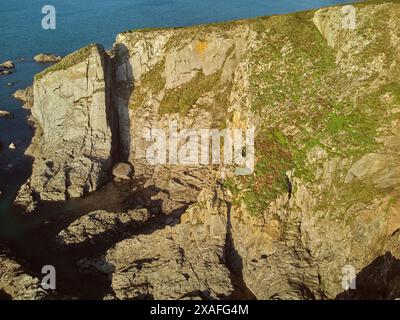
181	99
69	61
152	82
273	160
301	99
301	89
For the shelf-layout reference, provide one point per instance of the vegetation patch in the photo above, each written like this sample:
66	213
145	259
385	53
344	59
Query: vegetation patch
151	83
69	61
183	98
297	92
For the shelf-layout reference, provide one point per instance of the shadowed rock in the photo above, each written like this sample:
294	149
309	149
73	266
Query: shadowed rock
15	283
101	225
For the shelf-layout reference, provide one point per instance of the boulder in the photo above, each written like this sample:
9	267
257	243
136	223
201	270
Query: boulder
122	171
100	226
5	114
5	72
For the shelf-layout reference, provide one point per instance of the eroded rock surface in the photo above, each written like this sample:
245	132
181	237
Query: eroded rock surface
101	225
15	283
179	262
75	128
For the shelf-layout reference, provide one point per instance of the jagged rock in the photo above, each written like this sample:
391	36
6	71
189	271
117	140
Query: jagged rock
7	65
25	199
101	225
294	245
150	55
26	96
5	114
180	262
75	127
45	57
15	282
122	171
5	72
381	168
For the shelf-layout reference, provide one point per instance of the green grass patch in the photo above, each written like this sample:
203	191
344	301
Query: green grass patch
69	61
152	82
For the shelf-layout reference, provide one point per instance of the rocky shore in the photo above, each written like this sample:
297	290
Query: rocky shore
6	68
325	194
26	96
46	57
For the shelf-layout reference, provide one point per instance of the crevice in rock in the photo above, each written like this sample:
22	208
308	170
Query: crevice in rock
112	107
120	98
234	263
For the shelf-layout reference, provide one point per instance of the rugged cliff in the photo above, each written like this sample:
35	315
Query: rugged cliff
76	128
325	194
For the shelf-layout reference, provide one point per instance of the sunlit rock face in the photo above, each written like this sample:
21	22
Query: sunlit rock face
325	194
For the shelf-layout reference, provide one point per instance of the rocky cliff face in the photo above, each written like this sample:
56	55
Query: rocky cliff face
76	128
325	192
15	282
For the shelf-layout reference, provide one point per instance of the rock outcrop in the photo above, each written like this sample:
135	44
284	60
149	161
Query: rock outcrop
287	239
7	68
100	226
15	283
45	57
26	96
7	65
180	262
76	128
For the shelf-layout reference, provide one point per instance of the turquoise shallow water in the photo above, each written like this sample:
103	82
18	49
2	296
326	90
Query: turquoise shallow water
80	22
